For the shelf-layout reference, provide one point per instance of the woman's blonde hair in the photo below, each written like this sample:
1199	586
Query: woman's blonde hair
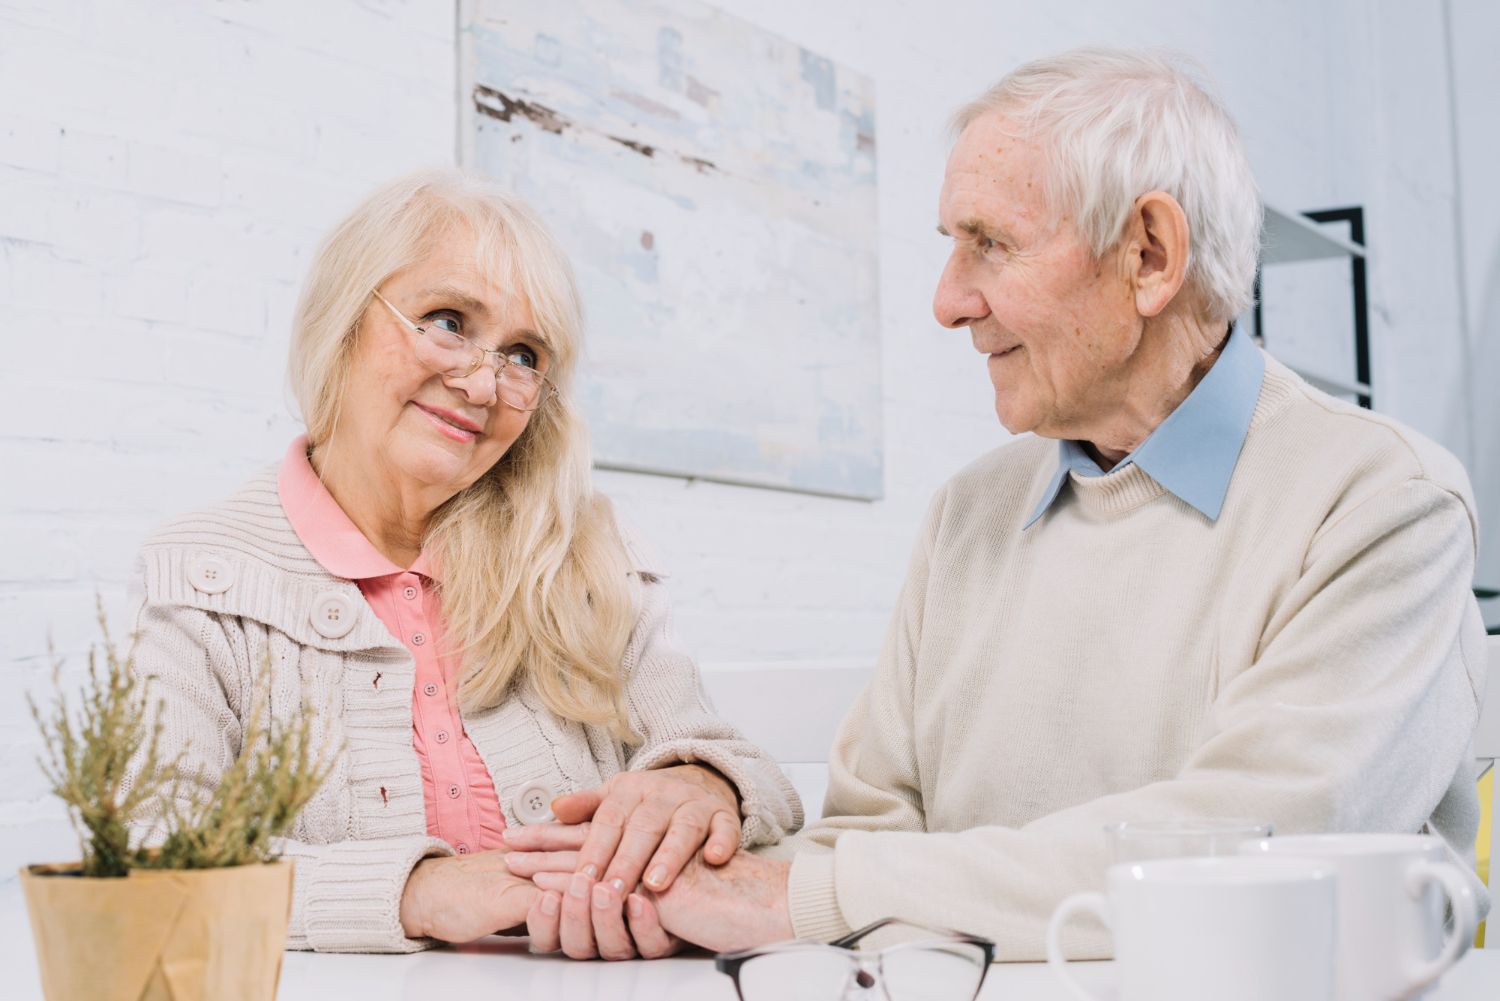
535	586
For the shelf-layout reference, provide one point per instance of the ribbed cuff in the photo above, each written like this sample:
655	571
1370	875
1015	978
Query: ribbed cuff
813	899
354	894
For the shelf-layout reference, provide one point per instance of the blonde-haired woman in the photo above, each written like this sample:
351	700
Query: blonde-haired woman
431	565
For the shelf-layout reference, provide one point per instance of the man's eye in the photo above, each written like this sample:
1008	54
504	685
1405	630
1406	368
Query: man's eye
987	244
521	357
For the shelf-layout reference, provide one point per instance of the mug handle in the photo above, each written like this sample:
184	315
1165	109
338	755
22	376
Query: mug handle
1465	918
1095	904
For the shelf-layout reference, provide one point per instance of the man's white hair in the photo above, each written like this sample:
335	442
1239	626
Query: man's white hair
1117	123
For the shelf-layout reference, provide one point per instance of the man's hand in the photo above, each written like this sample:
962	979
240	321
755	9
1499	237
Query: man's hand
723	908
465	897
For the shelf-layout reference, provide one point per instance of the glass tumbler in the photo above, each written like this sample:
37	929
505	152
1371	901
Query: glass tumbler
1139	840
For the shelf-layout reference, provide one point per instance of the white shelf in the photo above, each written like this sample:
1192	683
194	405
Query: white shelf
1290	236
1328	384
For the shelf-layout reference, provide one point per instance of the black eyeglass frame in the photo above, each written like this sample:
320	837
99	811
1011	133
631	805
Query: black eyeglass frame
729	963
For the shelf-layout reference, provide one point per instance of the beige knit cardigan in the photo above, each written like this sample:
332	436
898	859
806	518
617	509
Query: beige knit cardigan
358	839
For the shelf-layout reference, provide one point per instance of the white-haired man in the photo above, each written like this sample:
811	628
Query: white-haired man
1198	588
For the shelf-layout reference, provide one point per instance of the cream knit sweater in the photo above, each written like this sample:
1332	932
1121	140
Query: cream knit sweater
1313	658
358	839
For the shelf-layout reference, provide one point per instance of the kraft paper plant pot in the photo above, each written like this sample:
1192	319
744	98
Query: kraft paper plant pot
160	935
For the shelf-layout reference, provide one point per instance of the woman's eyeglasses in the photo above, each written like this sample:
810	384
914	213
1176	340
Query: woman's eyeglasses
934	965
453	355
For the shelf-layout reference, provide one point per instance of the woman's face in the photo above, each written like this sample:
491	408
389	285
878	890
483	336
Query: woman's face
435	434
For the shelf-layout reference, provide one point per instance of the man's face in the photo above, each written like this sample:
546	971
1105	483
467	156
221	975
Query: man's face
1059	327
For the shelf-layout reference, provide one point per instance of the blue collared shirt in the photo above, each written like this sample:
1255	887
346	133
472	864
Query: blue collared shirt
1192	453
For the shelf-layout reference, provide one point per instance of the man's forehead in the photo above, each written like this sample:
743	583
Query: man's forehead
992	139
992	175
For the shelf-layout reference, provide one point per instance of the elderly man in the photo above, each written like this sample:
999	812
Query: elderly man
1198	587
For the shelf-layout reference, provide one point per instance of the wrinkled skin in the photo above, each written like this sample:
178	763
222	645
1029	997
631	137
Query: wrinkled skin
1099	351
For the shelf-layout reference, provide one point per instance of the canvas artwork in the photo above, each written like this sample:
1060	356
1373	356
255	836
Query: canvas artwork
714	186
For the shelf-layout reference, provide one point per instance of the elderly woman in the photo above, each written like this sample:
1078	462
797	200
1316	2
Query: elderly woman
430	567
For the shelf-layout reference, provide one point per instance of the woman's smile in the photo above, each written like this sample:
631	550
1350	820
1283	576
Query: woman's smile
450	424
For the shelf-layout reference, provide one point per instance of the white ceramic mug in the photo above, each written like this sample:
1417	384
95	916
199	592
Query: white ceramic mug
1229	928
1390	892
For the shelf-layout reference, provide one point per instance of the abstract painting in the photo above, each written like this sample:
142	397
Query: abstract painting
714	187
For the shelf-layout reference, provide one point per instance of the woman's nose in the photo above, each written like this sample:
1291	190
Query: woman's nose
478	386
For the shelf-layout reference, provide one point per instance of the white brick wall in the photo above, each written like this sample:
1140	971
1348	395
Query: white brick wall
165	169
167	165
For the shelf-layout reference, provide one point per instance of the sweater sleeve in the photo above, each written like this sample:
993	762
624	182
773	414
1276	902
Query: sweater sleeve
1356	714
346	894
671	711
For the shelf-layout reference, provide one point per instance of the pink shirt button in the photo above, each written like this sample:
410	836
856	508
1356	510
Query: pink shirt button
419	639
442	736
410	593
429	689
454	792
462	849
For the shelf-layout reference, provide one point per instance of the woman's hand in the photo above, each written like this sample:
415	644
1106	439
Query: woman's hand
611	931
465	897
642	822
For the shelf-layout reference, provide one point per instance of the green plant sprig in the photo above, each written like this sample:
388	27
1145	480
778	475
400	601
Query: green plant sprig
89	757
255	799
105	763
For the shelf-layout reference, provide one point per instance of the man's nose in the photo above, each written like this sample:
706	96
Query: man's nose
957	303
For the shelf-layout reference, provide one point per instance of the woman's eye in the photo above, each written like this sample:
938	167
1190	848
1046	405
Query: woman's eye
522	357
988	244
447	323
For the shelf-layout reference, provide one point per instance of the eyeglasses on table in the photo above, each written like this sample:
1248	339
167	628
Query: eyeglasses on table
936	965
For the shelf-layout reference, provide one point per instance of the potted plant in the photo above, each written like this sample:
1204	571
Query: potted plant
179	894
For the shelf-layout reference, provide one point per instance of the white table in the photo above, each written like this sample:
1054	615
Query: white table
498	969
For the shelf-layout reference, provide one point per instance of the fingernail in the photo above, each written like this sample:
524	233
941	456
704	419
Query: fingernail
580	885
590	871
657	875
549	904
618	884
636	907
601	897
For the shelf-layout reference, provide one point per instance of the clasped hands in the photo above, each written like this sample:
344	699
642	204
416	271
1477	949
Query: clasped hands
600	882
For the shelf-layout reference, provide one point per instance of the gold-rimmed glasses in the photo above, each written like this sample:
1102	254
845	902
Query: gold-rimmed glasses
451	354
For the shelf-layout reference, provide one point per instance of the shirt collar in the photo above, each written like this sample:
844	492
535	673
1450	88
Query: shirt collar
1193	452
332	539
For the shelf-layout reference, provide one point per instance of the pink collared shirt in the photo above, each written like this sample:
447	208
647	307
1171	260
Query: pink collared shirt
462	807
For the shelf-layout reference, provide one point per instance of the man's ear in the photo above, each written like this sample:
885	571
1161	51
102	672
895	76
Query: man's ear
1156	243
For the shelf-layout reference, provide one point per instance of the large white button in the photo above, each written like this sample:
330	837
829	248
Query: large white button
210	574
533	802
332	614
